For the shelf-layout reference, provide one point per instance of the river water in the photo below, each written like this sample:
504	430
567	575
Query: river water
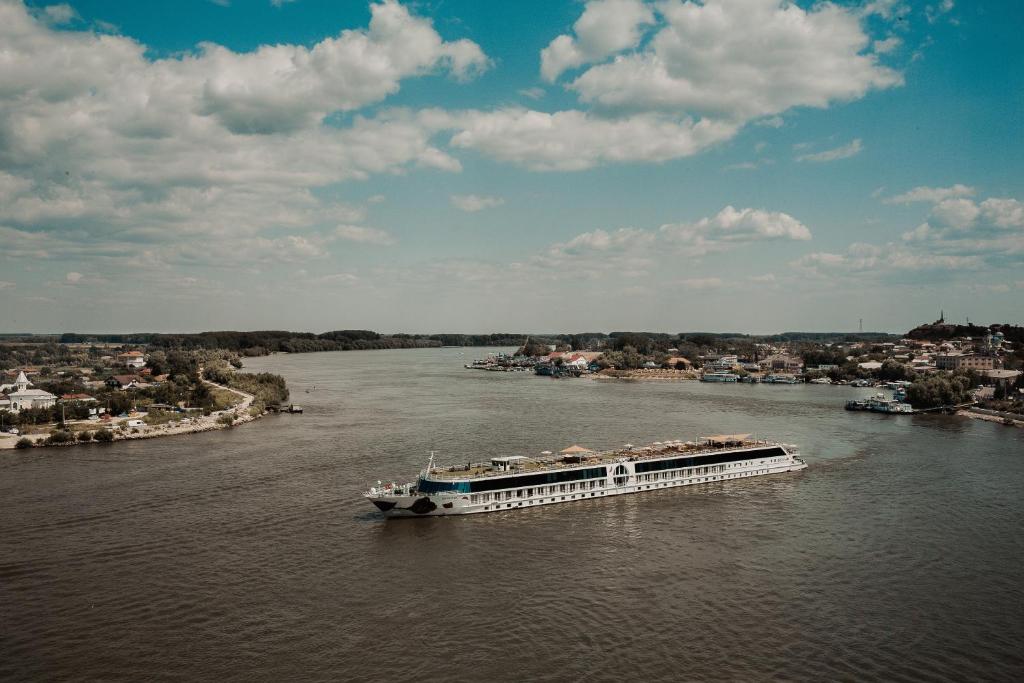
248	554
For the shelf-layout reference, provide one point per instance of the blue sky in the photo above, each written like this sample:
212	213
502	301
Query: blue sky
749	165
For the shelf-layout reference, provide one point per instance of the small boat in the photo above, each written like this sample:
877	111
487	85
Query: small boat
294	409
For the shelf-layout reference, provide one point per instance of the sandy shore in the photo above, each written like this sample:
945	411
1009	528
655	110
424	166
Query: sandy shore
205	423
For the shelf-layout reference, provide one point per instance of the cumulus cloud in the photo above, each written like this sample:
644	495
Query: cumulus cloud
930	194
853	148
604	28
59	14
573	140
886	45
959	234
108	154
884	261
339	278
962	215
471	203
700	283
358	233
732	226
73	278
740	60
632	252
601	240
287	87
6	284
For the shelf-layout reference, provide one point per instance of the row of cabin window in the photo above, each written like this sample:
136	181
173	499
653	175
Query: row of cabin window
539	491
695	471
601	483
583	486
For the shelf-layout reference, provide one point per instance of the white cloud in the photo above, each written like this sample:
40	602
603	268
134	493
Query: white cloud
931	194
573	140
5	284
853	148
357	233
601	240
935	12
955	213
996	222
216	143
959	235
700	283
376	199
289	87
533	93
73	278
339	278
887	45
471	203
741	60
735	226
883	8
604	28
891	260
60	14
1003	213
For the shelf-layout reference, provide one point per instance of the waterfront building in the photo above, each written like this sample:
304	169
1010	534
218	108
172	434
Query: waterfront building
969	361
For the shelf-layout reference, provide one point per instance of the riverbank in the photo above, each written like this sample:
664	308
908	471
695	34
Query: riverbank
240	413
645	374
992	416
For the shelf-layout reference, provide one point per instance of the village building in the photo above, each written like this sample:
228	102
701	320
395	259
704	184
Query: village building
122	381
969	361
132	359
24	398
782	362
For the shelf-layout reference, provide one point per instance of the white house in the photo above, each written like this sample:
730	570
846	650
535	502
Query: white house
132	359
23	398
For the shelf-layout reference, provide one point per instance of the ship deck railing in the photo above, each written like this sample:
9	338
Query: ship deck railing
483	469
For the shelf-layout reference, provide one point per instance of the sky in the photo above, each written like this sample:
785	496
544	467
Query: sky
532	166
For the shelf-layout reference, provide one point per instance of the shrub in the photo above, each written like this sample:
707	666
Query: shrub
103	435
23	443
84	436
59	436
227	420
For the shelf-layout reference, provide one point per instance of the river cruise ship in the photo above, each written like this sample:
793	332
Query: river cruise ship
516	482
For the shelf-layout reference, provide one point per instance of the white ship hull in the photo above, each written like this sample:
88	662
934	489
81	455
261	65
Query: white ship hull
622	478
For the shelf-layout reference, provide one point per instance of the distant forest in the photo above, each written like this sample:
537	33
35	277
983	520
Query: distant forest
262	342
258	343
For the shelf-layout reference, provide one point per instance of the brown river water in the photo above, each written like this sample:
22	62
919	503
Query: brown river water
249	554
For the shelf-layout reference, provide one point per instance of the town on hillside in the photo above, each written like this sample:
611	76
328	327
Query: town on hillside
931	366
